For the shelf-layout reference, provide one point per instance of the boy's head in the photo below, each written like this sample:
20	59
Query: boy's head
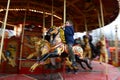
69	23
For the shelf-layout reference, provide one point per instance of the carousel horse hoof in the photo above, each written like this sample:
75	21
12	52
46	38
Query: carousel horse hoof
75	71
90	68
84	68
31	70
100	63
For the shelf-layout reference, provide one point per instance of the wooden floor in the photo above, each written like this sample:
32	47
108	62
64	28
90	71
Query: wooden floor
100	72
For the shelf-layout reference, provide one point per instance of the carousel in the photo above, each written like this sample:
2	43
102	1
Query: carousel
33	43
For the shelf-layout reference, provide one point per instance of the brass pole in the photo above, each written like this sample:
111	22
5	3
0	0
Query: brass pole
86	29
64	19
52	14
116	44
100	24
43	24
3	30
21	47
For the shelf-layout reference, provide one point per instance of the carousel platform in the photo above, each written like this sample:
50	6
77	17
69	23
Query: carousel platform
100	72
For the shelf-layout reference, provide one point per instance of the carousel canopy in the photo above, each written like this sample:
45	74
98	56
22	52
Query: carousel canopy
81	12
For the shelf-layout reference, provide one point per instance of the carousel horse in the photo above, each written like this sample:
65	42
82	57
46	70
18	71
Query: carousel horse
58	48
87	48
11	52
103	50
55	50
41	47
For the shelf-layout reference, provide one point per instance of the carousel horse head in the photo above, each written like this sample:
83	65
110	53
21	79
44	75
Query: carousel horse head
52	28
41	45
35	39
86	39
50	33
102	37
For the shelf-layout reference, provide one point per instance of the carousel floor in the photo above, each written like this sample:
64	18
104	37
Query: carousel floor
100	72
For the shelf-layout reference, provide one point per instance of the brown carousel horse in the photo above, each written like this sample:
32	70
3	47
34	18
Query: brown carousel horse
87	48
57	48
41	47
10	52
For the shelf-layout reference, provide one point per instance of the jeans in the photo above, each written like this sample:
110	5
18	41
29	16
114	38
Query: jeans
71	54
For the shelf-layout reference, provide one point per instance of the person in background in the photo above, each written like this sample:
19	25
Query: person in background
69	33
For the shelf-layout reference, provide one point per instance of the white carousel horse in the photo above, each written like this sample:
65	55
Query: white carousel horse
58	48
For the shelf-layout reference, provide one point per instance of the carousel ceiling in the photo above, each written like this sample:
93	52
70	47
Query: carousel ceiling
81	12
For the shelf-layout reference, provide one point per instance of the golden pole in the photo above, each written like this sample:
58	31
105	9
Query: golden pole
3	30
43	24
99	21
21	47
102	22
52	14
116	45
101	10
64	19
86	29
